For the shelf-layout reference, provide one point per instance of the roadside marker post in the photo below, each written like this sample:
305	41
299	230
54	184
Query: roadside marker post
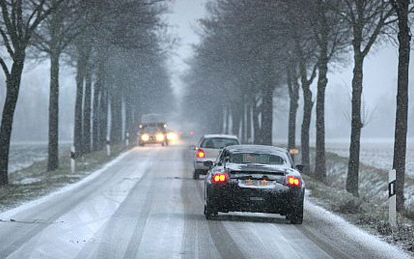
392	198
72	159
108	147
127	139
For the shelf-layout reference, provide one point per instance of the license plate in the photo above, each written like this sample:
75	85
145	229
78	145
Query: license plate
256	183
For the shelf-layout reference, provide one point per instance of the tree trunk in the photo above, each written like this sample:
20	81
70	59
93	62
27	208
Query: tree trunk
244	120
80	76
293	107
103	124
256	124
400	142
356	125
53	150
236	118
96	113
320	162
267	117
97	99
307	116
116	117
128	117
249	123
12	94
307	107
87	109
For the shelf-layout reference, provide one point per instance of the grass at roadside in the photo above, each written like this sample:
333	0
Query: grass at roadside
35	181
370	210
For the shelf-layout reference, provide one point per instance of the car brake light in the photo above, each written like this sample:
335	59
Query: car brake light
293	181
201	153
220	178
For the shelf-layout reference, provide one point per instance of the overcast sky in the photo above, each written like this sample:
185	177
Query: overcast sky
380	84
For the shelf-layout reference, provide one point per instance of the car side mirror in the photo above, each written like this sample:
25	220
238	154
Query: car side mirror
300	167
208	164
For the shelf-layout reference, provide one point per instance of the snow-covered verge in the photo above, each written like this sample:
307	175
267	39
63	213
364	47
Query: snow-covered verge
370	210
374	152
23	155
34	181
347	231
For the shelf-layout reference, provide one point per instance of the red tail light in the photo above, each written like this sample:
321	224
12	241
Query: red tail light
293	181
220	178
201	153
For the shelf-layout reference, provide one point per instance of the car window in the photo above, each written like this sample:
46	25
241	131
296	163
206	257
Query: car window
247	158
220	157
218	143
150	129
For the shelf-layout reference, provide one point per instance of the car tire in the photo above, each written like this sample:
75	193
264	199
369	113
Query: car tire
209	212
296	214
196	174
162	144
141	144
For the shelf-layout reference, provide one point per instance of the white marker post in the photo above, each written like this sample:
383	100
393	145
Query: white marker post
127	139
108	147
392	198
72	159
294	151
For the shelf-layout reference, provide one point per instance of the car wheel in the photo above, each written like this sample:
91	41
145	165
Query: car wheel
141	144
209	213
162	144
296	214
196	175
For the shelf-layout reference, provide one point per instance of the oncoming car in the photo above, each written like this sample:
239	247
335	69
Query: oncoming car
253	178
208	148
152	134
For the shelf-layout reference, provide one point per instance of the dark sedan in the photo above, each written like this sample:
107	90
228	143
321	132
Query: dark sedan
252	178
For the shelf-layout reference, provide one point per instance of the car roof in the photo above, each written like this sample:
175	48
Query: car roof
255	149
220	136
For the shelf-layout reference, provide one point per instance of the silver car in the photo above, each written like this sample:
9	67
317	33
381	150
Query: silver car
208	148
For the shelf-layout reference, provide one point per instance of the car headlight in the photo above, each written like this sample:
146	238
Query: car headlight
145	137
160	137
172	136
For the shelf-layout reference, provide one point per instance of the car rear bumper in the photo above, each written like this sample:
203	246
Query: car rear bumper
278	200
199	164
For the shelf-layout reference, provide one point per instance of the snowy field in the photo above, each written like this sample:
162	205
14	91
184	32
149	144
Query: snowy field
374	152
25	154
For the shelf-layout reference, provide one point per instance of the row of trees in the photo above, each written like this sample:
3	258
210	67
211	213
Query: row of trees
117	49
251	50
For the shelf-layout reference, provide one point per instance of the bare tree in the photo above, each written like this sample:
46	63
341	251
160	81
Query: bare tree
331	37
367	18
19	19
54	35
402	9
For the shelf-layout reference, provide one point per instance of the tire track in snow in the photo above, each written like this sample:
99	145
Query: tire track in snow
197	241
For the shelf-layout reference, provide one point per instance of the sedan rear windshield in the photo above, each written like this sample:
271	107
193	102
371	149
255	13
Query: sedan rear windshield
247	158
218	143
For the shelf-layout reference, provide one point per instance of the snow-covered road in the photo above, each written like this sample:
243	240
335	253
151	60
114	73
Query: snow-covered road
146	205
